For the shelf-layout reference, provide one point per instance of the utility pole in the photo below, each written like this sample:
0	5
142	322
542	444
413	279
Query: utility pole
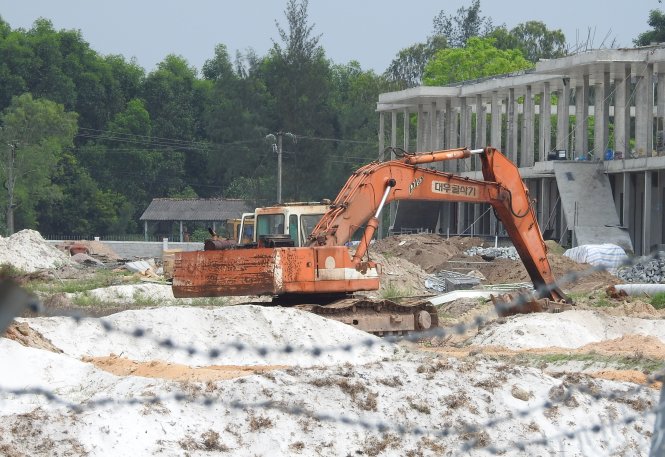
11	159
279	167
276	140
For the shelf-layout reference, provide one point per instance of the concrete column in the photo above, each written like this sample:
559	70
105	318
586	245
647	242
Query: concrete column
526	159
446	124
543	203
432	127
420	128
511	128
480	130
145	230
660	114
646	218
581	117
393	143
644	113
496	120
545	143
563	116
393	130
627	196
464	132
622	113
181	231
382	132
407	127
601	116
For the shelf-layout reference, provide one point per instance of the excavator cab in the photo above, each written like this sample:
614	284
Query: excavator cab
289	224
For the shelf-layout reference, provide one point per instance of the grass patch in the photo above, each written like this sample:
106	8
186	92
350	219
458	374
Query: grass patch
658	300
393	292
637	362
602	302
8	271
98	278
211	301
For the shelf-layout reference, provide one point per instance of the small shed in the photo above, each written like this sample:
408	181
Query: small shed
182	210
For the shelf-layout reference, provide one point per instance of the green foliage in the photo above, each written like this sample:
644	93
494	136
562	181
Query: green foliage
478	59
407	68
533	38
394	292
657	33
658	300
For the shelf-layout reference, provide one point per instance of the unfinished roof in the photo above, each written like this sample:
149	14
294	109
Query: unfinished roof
195	209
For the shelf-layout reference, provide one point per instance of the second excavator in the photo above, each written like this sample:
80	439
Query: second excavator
323	275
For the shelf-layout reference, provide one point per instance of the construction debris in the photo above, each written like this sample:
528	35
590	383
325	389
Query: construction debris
493	253
648	271
444	280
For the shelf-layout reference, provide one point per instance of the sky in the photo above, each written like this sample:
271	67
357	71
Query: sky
368	31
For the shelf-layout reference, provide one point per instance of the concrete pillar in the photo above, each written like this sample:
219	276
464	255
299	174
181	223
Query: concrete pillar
644	113
627	197
563	116
660	115
544	203
496	120
393	144
481	132
511	127
646	214
432	127
382	132
581	117
622	113
407	128
545	143
601	116
145	230
464	132
447	124
420	128
526	159
181	232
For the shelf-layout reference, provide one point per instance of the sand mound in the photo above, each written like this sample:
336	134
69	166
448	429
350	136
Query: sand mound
28	251
570	329
206	329
22	333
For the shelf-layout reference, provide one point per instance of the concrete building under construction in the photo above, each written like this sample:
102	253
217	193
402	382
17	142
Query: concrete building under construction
586	131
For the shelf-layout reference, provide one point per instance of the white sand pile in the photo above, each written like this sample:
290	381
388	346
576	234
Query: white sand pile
207	329
410	391
570	329
28	251
157	293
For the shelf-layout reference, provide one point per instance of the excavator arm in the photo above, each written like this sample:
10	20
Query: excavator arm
369	188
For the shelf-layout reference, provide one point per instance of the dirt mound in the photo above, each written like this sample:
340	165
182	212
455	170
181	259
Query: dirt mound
634	376
121	366
22	333
431	252
629	345
400	276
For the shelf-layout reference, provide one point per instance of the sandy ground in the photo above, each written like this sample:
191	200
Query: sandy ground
166	402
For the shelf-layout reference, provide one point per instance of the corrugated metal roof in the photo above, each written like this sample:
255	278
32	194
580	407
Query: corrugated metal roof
195	209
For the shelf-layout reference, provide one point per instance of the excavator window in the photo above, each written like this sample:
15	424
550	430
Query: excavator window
293	228
270	224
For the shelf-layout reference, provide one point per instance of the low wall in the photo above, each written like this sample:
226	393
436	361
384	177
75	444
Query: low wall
144	249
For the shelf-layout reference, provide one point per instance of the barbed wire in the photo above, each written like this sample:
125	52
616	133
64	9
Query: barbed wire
367	343
367	424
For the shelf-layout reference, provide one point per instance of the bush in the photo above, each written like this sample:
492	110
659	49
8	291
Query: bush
658	300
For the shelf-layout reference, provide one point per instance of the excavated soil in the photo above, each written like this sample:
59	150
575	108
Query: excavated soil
121	366
22	333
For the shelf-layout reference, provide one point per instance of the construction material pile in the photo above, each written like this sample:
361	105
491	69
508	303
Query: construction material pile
28	251
493	253
649	270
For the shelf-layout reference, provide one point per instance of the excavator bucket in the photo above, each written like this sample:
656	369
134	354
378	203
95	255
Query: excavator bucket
524	302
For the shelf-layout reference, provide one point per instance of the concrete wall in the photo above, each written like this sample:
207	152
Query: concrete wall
144	249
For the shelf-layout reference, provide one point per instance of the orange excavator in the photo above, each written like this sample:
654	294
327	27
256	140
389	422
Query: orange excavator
322	275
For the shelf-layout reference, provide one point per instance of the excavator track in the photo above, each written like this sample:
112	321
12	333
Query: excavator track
379	317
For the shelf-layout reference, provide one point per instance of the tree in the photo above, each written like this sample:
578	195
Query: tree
657	34
38	131
478	59
407	68
465	24
533	38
